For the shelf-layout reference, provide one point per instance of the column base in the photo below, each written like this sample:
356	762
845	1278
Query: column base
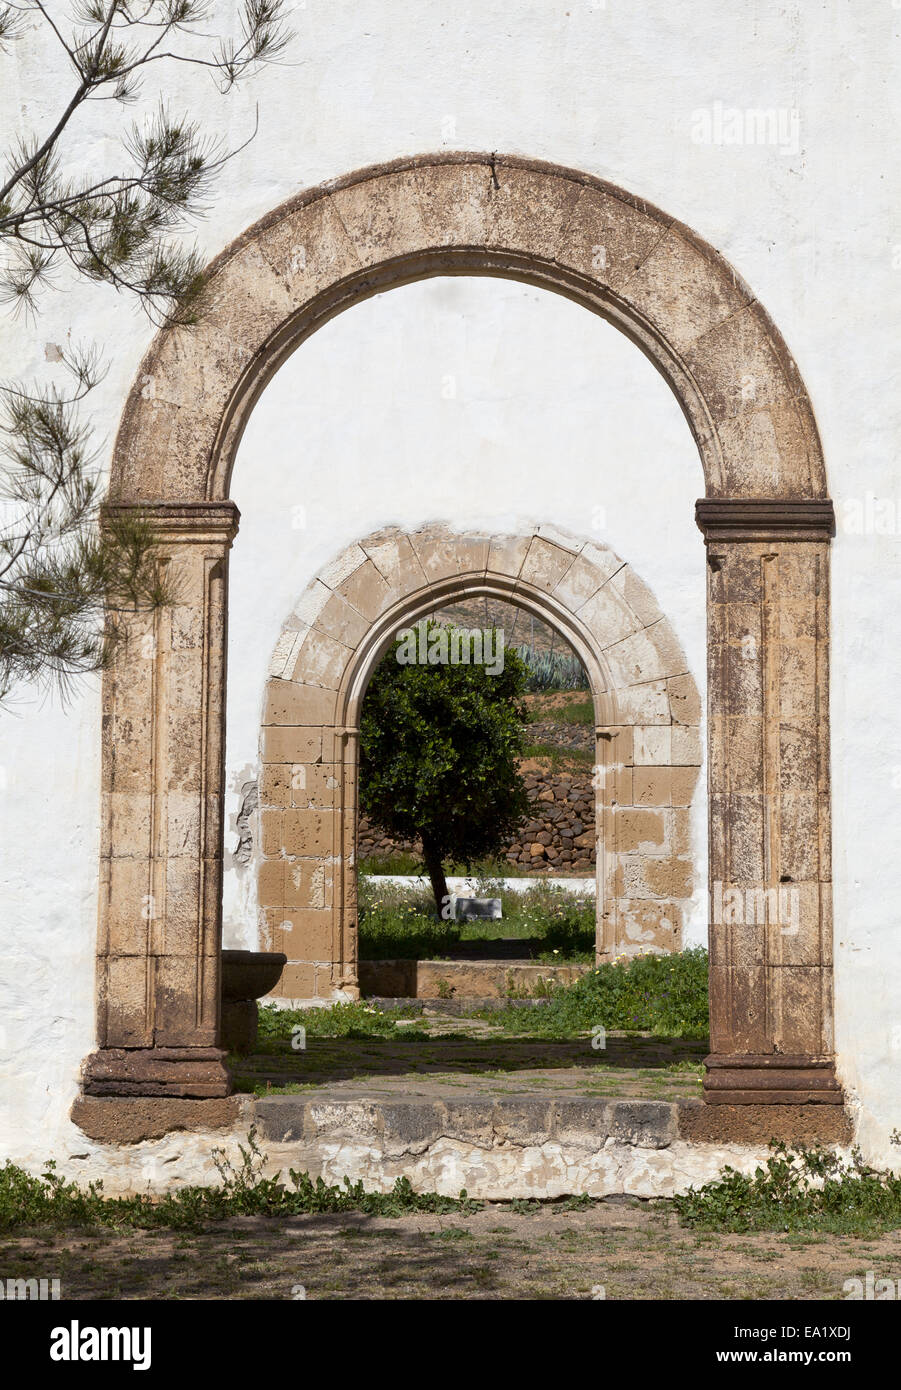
157	1071
770	1079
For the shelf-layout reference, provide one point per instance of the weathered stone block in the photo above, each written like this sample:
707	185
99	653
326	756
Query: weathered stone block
470	1119
304	934
309	833
298	982
310	883
609	237
320	660
410	1126
684	700
653	746
293	744
641	830
545	564
608	617
581	1120
341	620
309	249
367	591
652	786
523	1120
648	1124
288	702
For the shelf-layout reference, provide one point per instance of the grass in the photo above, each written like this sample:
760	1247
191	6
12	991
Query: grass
406	863
399	861
351	1020
560	759
664	995
798	1190
565	1249
576	712
51	1201
393	1051
808	1190
400	923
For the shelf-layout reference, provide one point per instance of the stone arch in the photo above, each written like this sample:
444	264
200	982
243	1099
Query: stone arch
647	717
671	292
766	518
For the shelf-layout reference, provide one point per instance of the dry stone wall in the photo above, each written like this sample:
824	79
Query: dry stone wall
559	838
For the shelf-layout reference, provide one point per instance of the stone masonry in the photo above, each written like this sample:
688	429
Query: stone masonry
559	837
767	521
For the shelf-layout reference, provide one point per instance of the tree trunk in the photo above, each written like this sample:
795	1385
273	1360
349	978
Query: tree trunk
435	871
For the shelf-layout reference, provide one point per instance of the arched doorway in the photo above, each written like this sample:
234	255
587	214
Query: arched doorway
319	673
766	519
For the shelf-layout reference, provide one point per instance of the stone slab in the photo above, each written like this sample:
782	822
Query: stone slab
434	979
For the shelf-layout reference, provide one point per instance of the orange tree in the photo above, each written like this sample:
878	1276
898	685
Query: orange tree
439	755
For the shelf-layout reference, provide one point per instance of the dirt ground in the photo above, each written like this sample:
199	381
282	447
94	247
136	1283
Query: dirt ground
616	1249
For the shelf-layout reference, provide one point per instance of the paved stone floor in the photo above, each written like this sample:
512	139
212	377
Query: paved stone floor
440	1055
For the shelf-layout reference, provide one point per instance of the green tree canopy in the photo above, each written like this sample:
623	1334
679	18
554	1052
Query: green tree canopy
439	752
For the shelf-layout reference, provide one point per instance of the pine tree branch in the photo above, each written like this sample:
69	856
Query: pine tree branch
70	573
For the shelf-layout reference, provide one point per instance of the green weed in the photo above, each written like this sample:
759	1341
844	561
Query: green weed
52	1201
797	1190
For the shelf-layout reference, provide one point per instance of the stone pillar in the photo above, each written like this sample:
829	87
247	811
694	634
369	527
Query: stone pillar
161	855
770	873
345	951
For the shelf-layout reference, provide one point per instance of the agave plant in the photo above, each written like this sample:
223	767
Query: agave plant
553	670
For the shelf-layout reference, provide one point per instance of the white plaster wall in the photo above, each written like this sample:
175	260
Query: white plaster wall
481	403
611	87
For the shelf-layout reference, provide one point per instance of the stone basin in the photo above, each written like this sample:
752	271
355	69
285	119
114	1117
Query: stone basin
246	977
251	974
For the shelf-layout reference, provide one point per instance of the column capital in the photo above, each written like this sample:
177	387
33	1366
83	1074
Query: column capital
198	522
765	519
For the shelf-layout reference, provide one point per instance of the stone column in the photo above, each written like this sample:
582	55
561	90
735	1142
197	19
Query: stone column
161	856
345	950
770	873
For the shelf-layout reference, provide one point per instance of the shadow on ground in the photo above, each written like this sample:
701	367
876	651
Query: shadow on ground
611	1250
648	1067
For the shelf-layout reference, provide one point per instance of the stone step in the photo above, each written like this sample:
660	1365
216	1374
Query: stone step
524	1146
437	979
415	1120
457	1005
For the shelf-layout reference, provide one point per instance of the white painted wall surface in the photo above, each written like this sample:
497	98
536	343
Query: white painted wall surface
481	403
612	88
